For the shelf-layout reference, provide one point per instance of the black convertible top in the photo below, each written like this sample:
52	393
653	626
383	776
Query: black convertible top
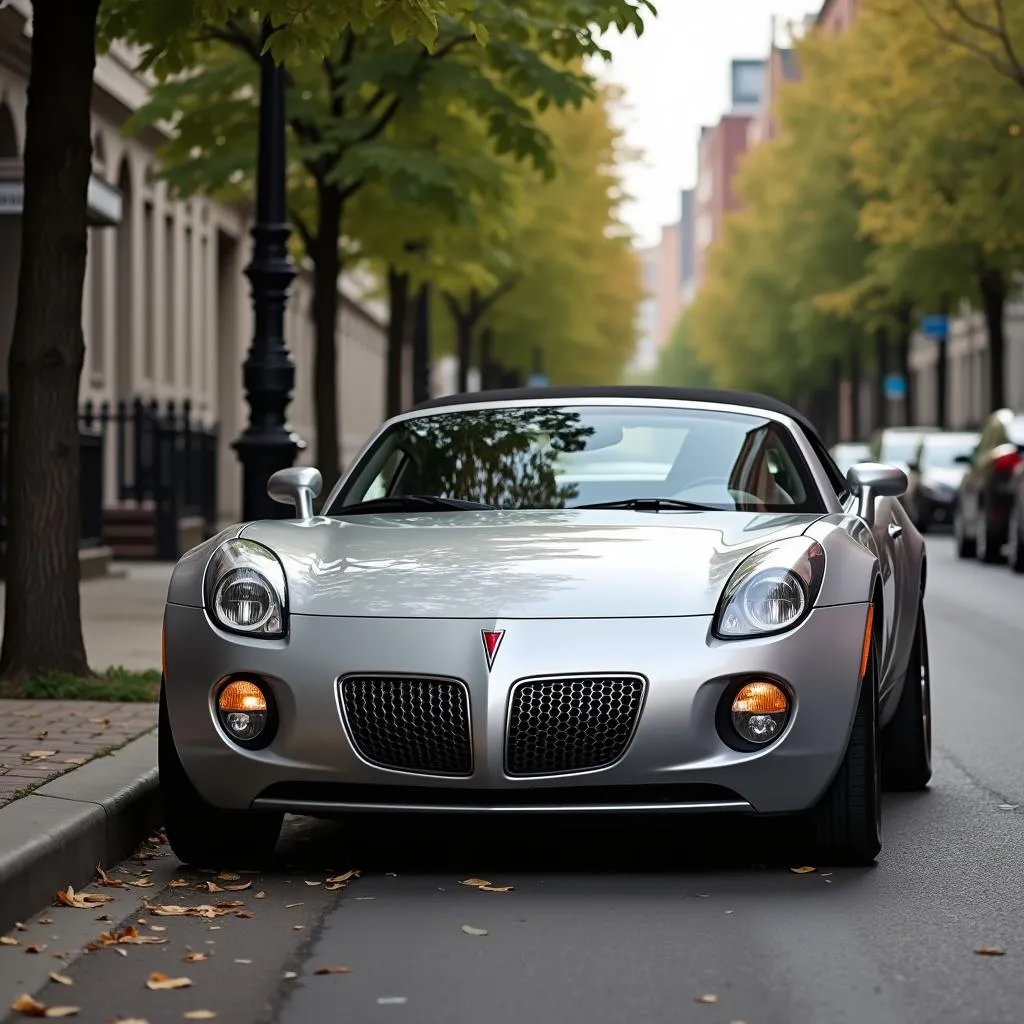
640	391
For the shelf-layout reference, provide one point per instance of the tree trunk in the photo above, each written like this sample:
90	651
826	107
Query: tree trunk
942	371
398	320
906	330
326	270
43	621
464	347
881	417
855	388
993	294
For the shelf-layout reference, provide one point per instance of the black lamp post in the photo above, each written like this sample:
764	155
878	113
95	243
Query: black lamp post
268	443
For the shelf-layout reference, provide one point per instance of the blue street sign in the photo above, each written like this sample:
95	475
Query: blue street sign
936	327
895	386
537	380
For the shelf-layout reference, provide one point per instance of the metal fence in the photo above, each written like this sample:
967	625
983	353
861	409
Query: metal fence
164	459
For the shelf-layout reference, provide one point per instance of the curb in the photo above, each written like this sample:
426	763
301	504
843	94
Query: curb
55	836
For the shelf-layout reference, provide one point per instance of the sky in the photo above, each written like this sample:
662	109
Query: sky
676	77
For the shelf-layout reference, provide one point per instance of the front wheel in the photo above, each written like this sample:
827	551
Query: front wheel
845	826
907	739
200	834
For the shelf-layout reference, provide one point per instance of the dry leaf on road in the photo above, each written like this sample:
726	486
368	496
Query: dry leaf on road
476	883
290	975
36	947
38	755
178	883
245	914
159	982
802	871
260	896
496	888
344	876
194	958
60	979
9	940
990	951
289	906
105	879
76	760
129	936
331	970
312	883
204	910
243	961
29	1007
709	998
228	876
470	930
199	1015
81	900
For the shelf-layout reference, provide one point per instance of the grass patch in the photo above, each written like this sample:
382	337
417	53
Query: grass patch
115	684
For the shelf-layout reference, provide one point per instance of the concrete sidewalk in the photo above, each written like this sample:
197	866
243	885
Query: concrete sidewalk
82	807
121	615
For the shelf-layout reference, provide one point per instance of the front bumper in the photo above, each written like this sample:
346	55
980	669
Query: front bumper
675	760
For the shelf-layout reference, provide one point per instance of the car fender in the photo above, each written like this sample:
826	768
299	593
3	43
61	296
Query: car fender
186	586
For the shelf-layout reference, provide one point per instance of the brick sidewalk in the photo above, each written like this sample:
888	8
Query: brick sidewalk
41	739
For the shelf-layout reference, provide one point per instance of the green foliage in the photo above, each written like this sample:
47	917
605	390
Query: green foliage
678	362
116	684
564	263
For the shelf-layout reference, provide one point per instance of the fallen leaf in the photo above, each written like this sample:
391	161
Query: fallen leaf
213	887
289	975
243	961
76	760
28	1006
60	979
61	1011
228	876
129	936
193	958
238	888
298	927
100	721
289	906
142	883
36	947
120	951
9	940
312	883
476	883
230	904
245	914
105	879
335	888
81	900
43	734
331	970
990	951
708	998
802	871
19	927
260	896
496	888
199	1015
38	755
46	920
158	982
470	930
344	877
204	910
157	928
178	883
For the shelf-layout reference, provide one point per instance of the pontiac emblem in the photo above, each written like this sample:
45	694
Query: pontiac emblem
492	641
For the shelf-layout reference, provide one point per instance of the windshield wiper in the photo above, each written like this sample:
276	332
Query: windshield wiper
652	505
412	503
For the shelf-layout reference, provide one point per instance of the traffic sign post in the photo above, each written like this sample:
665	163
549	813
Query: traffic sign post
935	326
895	386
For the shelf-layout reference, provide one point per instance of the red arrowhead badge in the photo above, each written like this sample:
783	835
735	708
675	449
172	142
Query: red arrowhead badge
492	641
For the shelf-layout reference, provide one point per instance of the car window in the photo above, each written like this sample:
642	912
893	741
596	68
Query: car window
943	450
562	456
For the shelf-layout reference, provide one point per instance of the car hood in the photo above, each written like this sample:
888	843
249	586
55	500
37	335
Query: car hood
550	564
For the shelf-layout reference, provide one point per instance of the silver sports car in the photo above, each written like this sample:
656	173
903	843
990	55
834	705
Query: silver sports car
561	600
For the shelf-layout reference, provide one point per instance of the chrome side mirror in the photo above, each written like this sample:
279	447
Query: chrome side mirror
871	480
298	486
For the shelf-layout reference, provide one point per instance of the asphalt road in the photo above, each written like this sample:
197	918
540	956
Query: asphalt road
630	923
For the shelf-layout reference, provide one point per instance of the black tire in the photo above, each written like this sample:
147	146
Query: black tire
923	516
987	546
203	835
1014	541
845	827
964	543
907	739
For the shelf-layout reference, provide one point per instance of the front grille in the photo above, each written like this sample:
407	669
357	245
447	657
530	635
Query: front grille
409	724
572	724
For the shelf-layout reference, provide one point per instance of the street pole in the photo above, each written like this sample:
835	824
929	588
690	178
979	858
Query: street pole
421	347
268	443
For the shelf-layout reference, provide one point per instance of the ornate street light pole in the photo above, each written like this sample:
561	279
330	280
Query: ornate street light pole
268	443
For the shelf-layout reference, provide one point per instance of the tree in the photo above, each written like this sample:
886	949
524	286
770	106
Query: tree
566	280
678	363
940	168
42	620
340	110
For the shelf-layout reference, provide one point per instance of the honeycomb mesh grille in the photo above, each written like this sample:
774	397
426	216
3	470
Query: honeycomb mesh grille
572	724
410	724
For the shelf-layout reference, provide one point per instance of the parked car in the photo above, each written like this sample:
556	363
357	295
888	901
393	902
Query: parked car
935	473
847	454
982	512
897	445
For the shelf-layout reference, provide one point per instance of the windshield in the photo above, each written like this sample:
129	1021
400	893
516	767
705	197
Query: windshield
563	456
942	452
900	447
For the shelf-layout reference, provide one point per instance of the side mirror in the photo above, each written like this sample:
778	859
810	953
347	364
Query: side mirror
871	480
297	486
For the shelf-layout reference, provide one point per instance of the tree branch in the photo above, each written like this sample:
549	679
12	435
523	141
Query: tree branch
302	228
233	35
1011	71
485	305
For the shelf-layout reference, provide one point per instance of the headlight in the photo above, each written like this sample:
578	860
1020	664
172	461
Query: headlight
245	590
771	590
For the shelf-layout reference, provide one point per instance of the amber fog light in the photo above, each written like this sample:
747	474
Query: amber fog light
759	712
245	711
